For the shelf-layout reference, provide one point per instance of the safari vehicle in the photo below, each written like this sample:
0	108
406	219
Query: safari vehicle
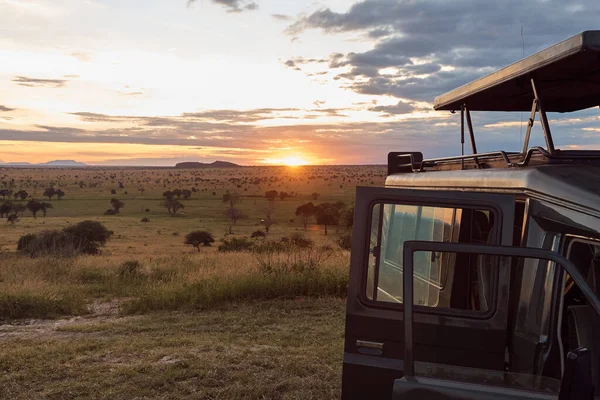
498	254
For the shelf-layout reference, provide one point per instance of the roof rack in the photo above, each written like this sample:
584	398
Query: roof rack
562	78
402	162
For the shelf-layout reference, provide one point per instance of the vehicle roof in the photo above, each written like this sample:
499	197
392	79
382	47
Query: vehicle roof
567	77
570	185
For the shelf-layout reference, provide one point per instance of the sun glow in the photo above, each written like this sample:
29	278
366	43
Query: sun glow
290	161
293	161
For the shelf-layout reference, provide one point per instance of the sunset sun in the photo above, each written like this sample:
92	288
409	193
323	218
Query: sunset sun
293	161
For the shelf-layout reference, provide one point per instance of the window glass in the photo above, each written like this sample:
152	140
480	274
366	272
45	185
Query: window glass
436	275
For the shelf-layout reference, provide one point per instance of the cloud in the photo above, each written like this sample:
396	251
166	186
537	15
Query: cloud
281	17
434	46
34	82
400	108
81	56
233	6
6	109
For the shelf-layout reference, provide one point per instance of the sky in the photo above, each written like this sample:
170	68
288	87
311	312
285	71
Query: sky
259	82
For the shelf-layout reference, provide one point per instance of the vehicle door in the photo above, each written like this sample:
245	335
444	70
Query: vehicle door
454	318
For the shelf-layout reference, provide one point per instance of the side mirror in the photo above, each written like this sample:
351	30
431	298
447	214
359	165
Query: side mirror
577	380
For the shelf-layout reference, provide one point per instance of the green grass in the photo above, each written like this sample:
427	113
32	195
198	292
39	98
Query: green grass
285	349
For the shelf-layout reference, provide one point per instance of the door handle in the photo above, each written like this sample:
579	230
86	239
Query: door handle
369	345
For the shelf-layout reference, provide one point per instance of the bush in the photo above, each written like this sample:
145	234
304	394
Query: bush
89	236
345	241
197	238
130	270
258	234
85	237
110	211
299	240
236	244
145	219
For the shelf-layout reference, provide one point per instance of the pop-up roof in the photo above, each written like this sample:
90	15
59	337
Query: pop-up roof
567	78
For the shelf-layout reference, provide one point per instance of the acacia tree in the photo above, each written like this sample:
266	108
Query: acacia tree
5	209
21	194
49	193
59	193
271	195
234	214
305	211
44	207
197	238
328	214
5	192
168	194
172	205
186	193
34	206
116	205
231	198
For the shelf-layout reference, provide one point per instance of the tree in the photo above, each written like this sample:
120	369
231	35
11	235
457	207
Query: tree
5	192
44	207
315	196
234	214
186	193
59	193
271	195
347	217
168	195
21	194
329	214
177	192
34	206
19	208
5	209
197	238
283	195
49	193
232	198
172	205
12	219
116	205
305	211
268	222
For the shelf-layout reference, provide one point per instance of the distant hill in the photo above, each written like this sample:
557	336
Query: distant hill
65	163
53	163
216	164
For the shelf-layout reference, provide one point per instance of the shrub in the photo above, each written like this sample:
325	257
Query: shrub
130	270
110	211
301	241
197	238
258	234
236	244
145	219
345	241
86	237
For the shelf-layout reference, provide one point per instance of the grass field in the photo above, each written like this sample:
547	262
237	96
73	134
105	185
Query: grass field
153	318
284	349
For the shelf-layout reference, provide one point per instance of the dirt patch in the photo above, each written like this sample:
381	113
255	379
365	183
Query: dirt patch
99	312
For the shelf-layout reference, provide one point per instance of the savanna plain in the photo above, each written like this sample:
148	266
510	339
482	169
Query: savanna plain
133	283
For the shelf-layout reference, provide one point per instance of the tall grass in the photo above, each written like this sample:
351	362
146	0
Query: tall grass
50	287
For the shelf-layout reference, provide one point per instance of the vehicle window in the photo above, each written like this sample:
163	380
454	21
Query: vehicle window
438	281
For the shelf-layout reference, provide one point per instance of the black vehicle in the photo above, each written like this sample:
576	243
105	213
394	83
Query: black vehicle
498	252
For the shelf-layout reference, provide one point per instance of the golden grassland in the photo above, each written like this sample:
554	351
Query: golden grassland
180	323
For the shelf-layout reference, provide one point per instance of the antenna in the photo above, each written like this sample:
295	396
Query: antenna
521	133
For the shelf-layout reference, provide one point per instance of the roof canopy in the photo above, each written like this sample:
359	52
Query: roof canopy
567	77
